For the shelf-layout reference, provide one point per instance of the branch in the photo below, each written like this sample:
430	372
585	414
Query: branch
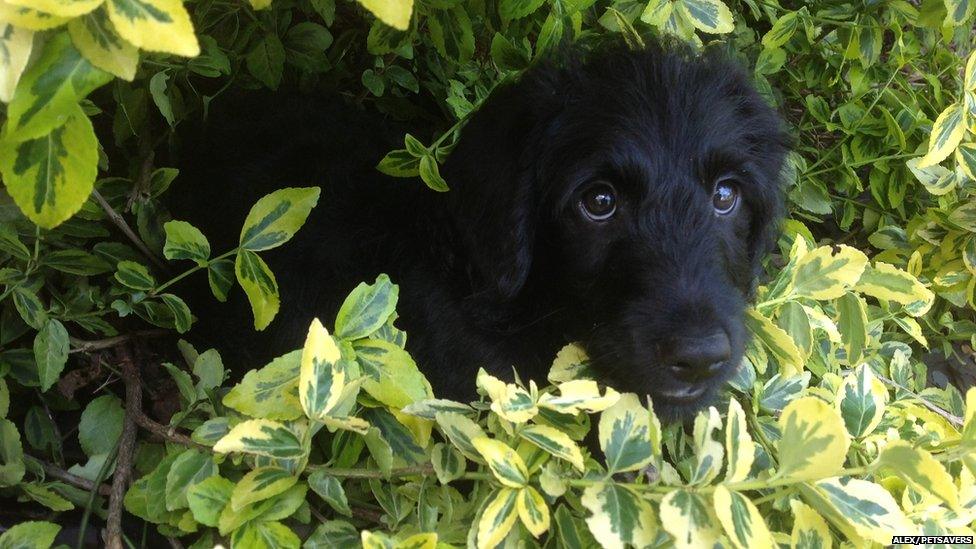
166	433
57	473
124	227
127	442
83	346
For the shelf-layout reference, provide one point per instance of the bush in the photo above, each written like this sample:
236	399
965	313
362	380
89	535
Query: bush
829	433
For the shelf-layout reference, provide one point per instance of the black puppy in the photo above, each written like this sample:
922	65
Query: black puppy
623	201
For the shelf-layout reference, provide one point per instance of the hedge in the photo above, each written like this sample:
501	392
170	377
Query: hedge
830	433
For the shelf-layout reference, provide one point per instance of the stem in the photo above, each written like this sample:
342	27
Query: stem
190	271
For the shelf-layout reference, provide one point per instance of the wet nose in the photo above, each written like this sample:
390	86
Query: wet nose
697	358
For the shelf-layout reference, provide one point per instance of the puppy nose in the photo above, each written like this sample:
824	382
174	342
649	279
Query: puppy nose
697	358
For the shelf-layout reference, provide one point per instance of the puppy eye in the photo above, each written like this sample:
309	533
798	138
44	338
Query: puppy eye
599	202
725	196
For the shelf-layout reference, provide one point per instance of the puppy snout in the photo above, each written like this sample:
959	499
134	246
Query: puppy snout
697	358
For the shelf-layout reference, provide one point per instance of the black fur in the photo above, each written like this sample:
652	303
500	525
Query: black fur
503	270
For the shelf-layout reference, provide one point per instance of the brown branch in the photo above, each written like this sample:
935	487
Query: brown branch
83	346
951	418
123	465
124	227
57	473
166	433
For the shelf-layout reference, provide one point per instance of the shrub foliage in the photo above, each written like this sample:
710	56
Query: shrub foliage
828	434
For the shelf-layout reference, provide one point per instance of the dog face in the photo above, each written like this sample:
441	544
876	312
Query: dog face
636	191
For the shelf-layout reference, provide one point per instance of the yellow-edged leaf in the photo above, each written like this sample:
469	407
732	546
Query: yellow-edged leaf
825	273
708	451
861	401
395	13
890	283
619	516
920	470
320	380
777	341
28	18
579	395
861	505
571	363
60	8
687	517
739	446
810	530
97	40
711	16
741	520
155	25
554	442
625	435
17	43
462	432
504	462
261	437
498	518
533	511
947	132
814	442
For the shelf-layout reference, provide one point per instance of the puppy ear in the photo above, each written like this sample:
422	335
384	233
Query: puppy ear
493	199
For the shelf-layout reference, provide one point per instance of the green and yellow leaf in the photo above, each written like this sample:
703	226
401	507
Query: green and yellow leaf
155	25
260	484
533	511
498	518
395	13
625	435
320	380
776	341
554	442
859	504
739	446
27	18
890	283
686	516
740	519
861	401
826	273
810	530
504	462
261	437
920	470
60	8
579	395
367	308
711	16
96	39
260	286
16	44
619	516
947	133
50	177
814	442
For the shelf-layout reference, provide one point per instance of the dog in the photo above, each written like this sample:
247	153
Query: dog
622	199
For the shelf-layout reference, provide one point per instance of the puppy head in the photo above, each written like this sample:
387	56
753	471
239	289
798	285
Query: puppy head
638	191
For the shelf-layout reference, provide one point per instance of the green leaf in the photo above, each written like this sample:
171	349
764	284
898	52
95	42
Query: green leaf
367	308
782	30
48	95
97	40
740	519
50	352
395	13
266	61
509	10
270	392
208	498
947	133
619	515
260	484
155	25
11	454
852	323
711	16
51	176
220	275
330	489
134	275
77	262
814	442
334	534
260	286
430	174
46	497
184	241
189	469
182	317
275	218
101	425
686	516
30	308
30	535
399	163
261	437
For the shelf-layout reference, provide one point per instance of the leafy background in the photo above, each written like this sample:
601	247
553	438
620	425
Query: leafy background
834	431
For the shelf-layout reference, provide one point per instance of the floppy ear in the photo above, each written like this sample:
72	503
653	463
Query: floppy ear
493	198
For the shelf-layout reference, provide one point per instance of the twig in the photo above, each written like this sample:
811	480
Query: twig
166	433
951	418
57	473
83	346
124	227
127	442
